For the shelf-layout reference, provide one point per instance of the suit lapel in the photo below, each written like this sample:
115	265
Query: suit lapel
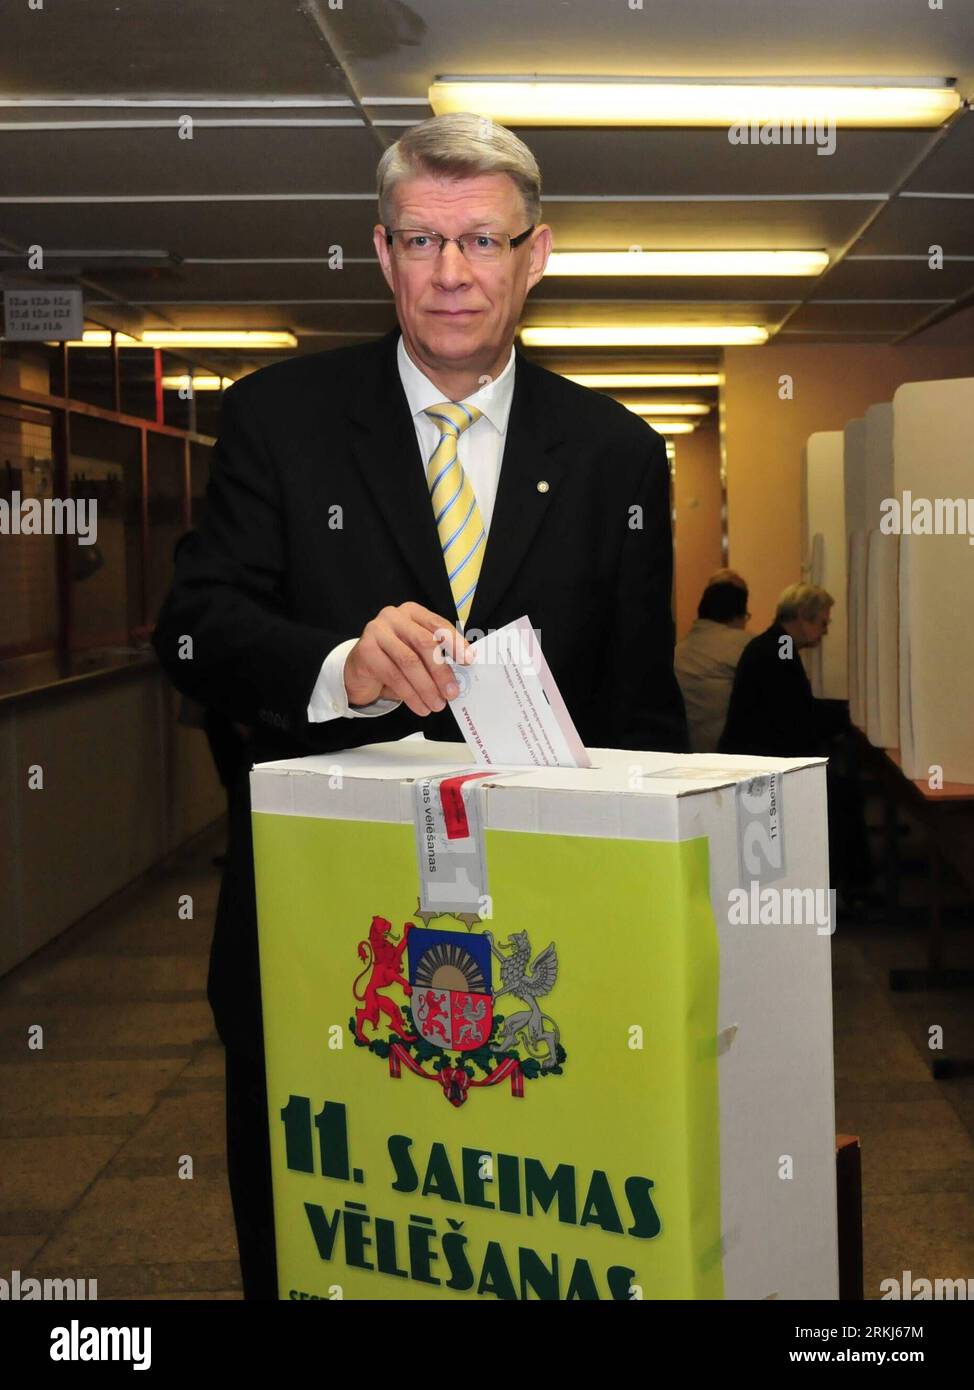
385	446
531	456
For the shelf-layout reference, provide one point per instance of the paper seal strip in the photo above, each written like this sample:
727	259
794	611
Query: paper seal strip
760	829
450	842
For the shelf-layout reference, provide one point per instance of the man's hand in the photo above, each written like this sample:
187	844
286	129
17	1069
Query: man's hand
400	656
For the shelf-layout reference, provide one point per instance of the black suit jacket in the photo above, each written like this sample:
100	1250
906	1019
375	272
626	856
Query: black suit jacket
772	710
318	515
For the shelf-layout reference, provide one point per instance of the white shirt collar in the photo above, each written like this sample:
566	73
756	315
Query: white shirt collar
492	400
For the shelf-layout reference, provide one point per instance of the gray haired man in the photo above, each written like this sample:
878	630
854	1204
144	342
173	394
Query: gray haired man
372	507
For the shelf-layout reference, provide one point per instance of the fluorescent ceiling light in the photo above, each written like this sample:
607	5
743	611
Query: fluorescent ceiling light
647	335
665	427
666	408
597	101
199	383
677	263
216	338
621	381
97	337
186	337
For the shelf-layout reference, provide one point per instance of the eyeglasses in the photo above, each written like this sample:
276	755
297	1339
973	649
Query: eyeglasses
415	244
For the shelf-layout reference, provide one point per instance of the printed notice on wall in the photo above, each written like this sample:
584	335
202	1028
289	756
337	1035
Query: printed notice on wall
53	313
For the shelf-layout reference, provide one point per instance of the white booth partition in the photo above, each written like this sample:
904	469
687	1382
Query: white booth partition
854	487
882	580
933	473
824	542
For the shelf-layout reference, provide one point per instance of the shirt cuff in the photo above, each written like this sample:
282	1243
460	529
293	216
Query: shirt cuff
329	699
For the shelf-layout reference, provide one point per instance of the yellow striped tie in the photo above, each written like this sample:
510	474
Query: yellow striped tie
458	519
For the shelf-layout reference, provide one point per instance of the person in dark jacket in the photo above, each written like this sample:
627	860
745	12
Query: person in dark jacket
367	504
773	713
772	710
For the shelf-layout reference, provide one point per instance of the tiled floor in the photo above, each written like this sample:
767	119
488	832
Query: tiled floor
96	1127
917	1134
126	1094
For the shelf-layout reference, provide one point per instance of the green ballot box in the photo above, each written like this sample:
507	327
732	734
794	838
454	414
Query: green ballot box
547	1033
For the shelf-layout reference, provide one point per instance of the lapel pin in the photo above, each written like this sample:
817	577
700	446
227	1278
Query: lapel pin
542	486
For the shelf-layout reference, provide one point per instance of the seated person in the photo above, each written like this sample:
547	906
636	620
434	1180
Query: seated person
706	659
774	713
772	709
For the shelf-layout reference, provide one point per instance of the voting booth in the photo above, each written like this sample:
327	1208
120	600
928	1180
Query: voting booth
553	1032
825	547
881	636
932	510
854	509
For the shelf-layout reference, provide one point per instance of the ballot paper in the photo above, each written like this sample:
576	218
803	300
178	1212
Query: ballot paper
509	709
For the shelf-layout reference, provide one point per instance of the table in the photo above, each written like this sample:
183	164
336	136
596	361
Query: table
946	817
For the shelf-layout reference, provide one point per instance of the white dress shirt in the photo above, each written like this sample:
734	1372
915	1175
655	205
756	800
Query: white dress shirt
480	450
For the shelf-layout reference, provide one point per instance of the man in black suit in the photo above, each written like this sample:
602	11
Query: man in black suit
327	579
773	712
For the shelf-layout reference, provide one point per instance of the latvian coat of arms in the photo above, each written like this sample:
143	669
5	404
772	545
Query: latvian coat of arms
428	1000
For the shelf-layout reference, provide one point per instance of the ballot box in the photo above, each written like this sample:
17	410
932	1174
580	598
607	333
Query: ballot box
553	1033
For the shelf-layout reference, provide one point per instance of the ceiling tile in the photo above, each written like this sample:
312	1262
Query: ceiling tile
858	318
912	225
202	227
146	163
701	162
894	279
126	47
950	166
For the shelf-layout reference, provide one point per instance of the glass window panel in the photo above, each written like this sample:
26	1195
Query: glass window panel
90	376
208	411
199	455
55	363
137	381
28	562
166	471
30	367
106	578
177	408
